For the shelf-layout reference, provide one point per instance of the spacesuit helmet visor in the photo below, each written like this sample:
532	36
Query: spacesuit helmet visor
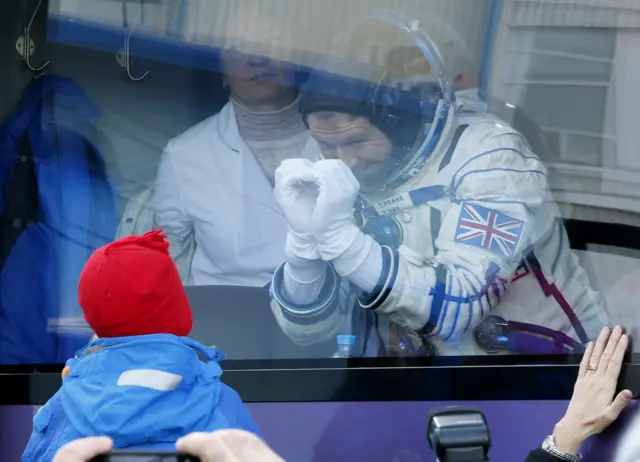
389	71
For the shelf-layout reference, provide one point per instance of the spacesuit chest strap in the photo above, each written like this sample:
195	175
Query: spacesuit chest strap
550	290
402	201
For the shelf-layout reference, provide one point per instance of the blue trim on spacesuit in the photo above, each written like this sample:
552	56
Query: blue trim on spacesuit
445	306
498	201
386	282
437	292
310	313
466	328
456	318
466	277
417	196
441	298
427	194
498	169
491	283
486	153
469	298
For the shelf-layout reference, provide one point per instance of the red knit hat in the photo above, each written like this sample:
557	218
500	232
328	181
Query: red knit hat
132	287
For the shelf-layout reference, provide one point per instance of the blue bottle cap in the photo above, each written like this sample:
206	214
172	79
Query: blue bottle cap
346	339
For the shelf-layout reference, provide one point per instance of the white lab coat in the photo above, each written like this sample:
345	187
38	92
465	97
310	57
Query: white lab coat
138	215
138	219
210	188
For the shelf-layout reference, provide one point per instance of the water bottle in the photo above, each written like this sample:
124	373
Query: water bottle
345	346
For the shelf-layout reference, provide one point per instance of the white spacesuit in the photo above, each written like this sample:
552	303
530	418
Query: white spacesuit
461	243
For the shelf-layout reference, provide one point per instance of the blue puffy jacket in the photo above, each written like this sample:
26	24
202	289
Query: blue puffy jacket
45	242
145	392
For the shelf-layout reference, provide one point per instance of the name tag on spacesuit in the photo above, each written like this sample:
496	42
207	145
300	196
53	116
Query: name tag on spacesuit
394	204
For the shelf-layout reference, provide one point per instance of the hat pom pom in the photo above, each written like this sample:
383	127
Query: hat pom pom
151	240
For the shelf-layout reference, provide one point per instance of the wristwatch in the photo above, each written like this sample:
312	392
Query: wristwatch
549	446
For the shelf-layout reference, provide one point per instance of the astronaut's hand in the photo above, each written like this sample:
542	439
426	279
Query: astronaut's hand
333	218
296	192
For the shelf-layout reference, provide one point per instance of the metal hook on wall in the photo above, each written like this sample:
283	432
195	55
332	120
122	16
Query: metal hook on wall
25	44
124	58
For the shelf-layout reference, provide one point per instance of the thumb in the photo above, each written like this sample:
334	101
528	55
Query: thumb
84	449
203	446
621	401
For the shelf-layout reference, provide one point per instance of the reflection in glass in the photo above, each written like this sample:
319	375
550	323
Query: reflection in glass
235	88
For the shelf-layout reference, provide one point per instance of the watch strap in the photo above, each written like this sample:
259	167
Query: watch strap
549	446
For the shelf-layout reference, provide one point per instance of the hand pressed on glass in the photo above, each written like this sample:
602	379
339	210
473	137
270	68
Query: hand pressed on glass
593	406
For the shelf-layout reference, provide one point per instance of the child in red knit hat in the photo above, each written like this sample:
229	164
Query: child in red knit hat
132	287
142	382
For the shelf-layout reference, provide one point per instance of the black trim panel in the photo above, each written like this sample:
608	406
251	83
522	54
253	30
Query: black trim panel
582	233
464	383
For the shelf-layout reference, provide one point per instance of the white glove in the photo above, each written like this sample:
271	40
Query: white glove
333	219
296	192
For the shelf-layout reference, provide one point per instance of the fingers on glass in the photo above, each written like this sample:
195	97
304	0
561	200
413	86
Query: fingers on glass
609	349
598	350
617	357
586	357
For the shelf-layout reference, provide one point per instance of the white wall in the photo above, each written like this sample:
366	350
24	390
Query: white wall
572	66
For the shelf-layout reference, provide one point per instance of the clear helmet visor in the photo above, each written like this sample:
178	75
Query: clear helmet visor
388	72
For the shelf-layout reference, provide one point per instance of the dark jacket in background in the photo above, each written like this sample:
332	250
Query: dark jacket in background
541	456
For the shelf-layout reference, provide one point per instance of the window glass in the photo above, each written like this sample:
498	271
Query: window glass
334	179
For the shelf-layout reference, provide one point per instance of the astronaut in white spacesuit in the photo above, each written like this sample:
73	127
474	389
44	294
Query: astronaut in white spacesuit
456	242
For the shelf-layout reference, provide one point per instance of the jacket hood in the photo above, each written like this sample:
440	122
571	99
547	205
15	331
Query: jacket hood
66	106
69	106
144	389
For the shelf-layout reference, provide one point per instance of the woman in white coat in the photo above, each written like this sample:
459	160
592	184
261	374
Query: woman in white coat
214	191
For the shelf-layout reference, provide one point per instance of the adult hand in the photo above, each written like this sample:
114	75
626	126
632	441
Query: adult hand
227	446
84	449
296	192
593	406
333	221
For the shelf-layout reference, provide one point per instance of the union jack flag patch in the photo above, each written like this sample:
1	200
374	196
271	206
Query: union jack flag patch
488	229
